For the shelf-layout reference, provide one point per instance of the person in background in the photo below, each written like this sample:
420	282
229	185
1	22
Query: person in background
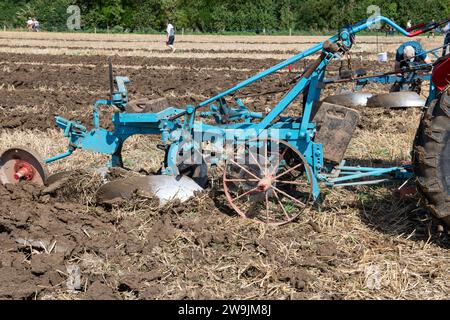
35	25
446	32
170	36
390	31
409	54
30	24
409	25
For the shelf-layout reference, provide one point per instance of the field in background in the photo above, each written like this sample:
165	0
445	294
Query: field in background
188	46
359	243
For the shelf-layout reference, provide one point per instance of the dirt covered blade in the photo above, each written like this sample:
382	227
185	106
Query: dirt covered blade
355	99
335	127
164	188
406	99
22	164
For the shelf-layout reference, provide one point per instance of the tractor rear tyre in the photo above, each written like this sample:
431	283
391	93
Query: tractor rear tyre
431	157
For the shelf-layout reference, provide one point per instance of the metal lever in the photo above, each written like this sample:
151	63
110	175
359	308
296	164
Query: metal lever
111	78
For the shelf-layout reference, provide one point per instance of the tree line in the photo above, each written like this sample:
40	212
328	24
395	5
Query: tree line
216	15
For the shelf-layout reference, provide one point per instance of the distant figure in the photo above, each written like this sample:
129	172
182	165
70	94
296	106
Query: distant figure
390	31
35	25
30	24
409	25
170	36
446	31
409	54
432	32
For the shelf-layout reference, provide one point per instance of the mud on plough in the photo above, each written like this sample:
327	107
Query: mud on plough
273	166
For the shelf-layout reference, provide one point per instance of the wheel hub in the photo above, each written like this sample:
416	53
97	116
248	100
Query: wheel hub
23	171
265	184
274	190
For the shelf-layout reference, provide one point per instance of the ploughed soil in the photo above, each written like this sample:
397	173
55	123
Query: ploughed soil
57	242
35	88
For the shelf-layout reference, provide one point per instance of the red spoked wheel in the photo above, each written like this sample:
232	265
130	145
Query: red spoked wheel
268	181
22	164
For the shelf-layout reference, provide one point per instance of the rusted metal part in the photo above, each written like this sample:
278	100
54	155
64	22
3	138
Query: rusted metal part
441	73
270	186
22	164
335	127
147	105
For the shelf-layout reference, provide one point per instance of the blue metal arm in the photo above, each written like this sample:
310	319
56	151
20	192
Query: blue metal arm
60	156
349	174
268	72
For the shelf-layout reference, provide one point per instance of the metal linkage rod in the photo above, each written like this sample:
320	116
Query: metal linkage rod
361	26
403	71
352	30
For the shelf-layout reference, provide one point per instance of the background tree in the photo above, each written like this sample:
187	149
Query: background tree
218	15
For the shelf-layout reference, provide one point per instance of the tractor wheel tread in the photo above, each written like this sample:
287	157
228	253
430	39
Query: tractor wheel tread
431	144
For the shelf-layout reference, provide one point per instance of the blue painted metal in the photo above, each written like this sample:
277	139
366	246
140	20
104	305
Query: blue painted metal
405	80
179	129
349	174
224	113
60	156
120	98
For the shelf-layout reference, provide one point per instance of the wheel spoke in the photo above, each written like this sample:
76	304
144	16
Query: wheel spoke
289	196
290	170
257	162
253	175
244	194
283	172
267	158
279	161
297	183
281	204
240	180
